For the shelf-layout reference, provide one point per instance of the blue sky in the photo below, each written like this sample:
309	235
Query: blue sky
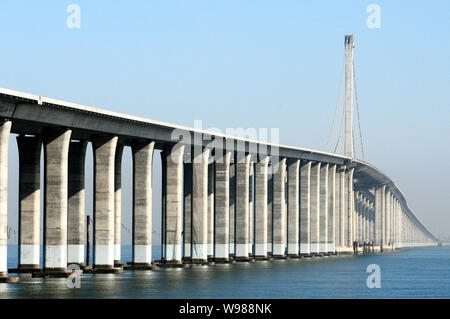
259	64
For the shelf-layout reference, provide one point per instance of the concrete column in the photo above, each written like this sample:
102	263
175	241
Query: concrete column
398	225
172	160
56	151
358	208
379	212
200	207
315	208
242	207
366	220
222	194
232	205
29	201
251	209
104	156
211	183
118	204
350	219
279	213
261	198
323	220
142	152
340	206
305	208
76	203
187	190
270	212
331	208
293	207
387	225
372	222
5	129
392	220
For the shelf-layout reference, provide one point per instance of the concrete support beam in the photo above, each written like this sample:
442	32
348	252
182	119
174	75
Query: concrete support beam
76	203
242	207
366	220
118	204
104	148
222	197
372	222
392	221
5	129
29	201
279	212
251	208
315	208
172	163
331	209
187	193
358	212
142	152
211	186
305	208
261	198
323	218
293	207
56	151
387	224
380	193
270	212
350	219
340	206
232	205
200	207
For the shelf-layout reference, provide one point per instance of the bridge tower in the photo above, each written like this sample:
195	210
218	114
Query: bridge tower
349	87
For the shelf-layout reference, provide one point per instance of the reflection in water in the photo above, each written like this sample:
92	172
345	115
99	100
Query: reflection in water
415	273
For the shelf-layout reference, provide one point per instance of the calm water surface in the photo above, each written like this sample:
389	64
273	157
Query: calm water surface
413	273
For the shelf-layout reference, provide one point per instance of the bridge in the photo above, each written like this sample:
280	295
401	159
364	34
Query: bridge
224	198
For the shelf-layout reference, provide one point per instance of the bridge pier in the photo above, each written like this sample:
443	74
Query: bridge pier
172	163
76	203
331	237
29	202
305	208
104	148
187	213
279	212
200	207
340	207
142	152
222	214
261	208
211	195
251	207
56	151
323	209
5	129
118	204
270	210
315	208
293	207
242	207
232	208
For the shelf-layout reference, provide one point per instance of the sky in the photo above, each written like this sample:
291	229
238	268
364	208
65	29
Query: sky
261	64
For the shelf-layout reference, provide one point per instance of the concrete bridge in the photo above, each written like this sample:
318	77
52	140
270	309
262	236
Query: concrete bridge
223	197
